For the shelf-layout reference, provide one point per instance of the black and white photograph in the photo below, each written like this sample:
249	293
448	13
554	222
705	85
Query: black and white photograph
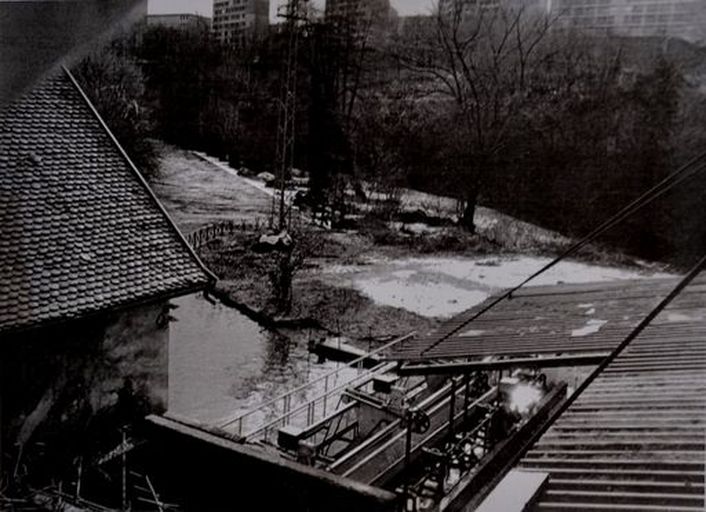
353	255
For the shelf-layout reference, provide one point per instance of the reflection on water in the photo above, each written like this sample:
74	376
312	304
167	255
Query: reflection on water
222	363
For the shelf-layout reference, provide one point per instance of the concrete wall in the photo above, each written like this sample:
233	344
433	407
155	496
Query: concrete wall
204	472
63	388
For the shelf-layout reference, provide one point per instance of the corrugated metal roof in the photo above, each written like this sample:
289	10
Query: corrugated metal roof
634	440
80	230
559	319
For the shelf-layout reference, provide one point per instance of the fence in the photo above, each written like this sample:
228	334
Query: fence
211	231
203	235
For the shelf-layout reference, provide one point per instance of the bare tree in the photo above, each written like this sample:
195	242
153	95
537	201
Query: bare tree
116	86
341	56
482	58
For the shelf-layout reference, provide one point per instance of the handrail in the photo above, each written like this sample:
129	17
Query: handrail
352	364
306	405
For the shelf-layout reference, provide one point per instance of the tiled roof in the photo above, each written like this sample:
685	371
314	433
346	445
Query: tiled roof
80	231
635	439
543	320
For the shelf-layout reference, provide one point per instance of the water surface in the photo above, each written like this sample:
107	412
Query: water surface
222	363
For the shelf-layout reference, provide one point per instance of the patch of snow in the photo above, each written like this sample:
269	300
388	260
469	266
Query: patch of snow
681	317
591	327
512	271
471	333
445	286
419	227
426	299
416	228
403	274
483	222
255	183
590	310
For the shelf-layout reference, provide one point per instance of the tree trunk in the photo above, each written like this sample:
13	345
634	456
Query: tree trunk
469	211
286	272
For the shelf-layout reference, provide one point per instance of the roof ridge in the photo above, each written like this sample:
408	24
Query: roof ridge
211	276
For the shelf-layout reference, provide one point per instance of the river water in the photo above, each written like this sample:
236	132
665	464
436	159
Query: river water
221	363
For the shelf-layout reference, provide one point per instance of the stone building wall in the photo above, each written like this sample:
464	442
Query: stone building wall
66	389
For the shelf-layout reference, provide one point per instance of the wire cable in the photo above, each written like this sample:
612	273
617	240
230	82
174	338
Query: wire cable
693	167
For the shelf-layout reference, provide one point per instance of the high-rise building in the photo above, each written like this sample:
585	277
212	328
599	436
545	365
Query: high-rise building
685	19
182	21
471	8
375	12
236	20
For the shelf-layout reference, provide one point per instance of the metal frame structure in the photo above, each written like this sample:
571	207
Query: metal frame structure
465	367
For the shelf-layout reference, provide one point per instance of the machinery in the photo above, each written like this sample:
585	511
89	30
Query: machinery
423	438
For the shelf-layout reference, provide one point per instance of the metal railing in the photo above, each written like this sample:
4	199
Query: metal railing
202	235
308	413
326	389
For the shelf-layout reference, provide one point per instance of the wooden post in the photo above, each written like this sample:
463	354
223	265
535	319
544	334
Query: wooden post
124	475
2	454
407	457
79	477
466	397
452	408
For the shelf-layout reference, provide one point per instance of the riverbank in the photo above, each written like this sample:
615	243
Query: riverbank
353	286
318	302
383	279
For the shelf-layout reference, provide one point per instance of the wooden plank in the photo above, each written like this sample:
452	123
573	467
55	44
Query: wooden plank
628	498
656	443
606	484
645	464
614	507
661	475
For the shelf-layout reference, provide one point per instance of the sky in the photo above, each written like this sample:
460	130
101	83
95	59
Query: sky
205	7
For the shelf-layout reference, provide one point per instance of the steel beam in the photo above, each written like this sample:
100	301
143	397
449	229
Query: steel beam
460	368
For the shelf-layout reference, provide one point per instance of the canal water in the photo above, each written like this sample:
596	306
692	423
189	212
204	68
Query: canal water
221	363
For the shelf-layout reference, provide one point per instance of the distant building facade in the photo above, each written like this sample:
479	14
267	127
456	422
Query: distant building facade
357	8
685	19
414	25
179	21
471	8
379	12
236	20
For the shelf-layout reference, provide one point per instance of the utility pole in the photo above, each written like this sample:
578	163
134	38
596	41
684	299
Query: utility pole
292	13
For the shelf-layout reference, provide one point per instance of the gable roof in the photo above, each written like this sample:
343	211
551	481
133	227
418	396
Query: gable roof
80	230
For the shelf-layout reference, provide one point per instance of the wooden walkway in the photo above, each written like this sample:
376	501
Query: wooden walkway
543	320
634	440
